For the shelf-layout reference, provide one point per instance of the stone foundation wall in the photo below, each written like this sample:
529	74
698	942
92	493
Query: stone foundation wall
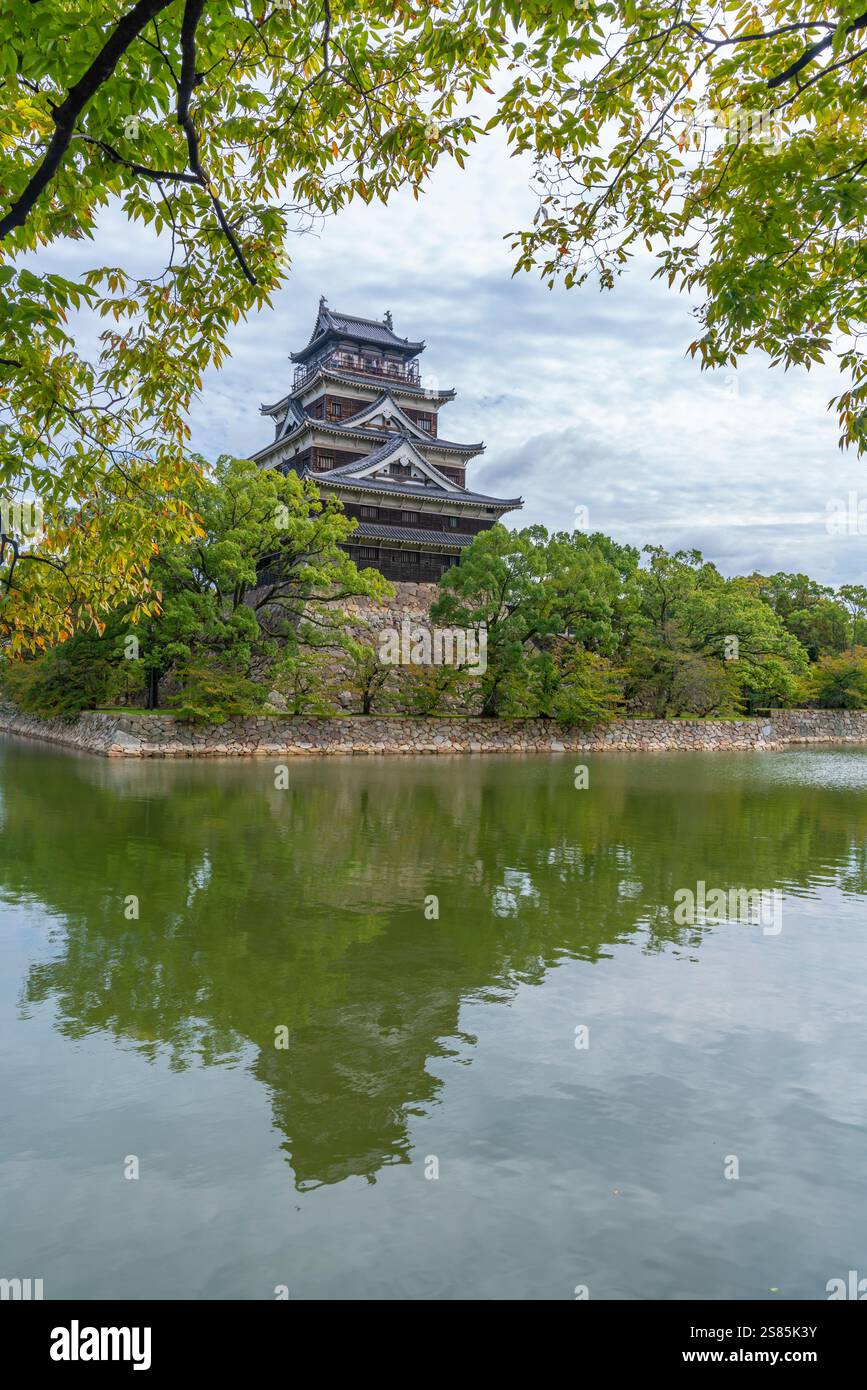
161	736
365	619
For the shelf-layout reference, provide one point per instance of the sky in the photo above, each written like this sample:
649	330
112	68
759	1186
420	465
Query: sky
584	399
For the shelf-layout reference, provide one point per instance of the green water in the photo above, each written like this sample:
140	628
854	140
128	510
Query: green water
417	1044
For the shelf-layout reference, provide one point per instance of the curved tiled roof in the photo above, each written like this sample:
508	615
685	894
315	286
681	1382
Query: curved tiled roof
329	323
391	446
389	436
380	530
418	494
350	379
347	430
295	417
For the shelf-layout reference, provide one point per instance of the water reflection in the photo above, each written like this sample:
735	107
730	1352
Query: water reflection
303	909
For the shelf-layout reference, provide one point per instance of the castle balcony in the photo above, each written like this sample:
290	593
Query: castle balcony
406	372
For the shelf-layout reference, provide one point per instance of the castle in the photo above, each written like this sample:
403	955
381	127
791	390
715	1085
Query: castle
359	422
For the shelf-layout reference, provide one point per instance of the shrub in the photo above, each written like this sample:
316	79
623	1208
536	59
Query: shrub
211	693
840	682
84	673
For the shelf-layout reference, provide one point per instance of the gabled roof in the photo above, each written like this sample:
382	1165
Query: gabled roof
376	332
295	416
390	410
376	434
399	445
356	477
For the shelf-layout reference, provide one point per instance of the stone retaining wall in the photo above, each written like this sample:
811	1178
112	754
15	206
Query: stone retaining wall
161	736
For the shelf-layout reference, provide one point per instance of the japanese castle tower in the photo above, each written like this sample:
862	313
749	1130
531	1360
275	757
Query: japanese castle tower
359	422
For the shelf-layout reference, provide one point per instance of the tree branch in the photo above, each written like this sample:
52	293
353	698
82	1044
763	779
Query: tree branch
67	113
192	14
180	176
812	51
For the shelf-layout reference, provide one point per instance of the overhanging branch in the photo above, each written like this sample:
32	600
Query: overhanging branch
67	113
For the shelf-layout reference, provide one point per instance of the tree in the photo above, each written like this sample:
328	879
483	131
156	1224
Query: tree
86	672
840	682
702	641
222	127
299	680
730	142
541	600
809	610
426	690
246	604
211	690
267	568
563	681
854	599
368	674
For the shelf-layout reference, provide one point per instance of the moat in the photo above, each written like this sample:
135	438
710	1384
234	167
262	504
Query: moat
429	1028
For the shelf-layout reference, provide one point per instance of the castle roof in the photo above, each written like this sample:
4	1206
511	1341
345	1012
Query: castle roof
399	386
375	332
418	494
412	535
298	421
356	477
398	463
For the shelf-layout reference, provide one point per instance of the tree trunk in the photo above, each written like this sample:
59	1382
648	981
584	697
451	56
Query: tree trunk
153	699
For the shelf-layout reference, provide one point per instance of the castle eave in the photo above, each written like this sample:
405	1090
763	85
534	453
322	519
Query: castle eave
395	384
378	436
409	535
427	498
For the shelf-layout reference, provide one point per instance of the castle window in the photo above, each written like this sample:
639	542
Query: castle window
368	552
409	518
325	461
369	512
453	522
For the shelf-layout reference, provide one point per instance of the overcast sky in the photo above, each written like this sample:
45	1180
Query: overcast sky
583	399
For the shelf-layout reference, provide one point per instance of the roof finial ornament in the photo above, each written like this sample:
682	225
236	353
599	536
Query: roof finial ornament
387	319
322	302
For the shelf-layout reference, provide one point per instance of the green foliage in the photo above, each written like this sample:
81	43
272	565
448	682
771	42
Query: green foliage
854	599
84	673
701	643
223	129
732	153
840	682
298	677
263	578
570	627
810	611
268	561
730	145
773	684
368	675
542	600
565	683
428	690
211	692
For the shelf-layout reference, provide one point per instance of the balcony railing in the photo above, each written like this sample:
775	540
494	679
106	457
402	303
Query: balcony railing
407	372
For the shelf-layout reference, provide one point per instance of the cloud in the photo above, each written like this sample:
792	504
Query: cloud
582	398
